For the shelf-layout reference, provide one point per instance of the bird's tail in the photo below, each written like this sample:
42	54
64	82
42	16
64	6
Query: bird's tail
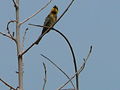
40	37
37	42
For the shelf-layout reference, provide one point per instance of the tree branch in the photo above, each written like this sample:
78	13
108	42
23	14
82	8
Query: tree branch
71	49
23	40
58	68
35	13
73	56
80	69
8	30
45	79
15	5
7	84
8	36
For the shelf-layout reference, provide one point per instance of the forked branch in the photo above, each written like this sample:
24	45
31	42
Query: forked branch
8	36
58	69
79	70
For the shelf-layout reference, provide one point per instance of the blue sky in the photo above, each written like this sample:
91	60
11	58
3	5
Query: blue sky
87	22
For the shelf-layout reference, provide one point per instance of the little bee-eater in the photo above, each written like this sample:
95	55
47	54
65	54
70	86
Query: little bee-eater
49	21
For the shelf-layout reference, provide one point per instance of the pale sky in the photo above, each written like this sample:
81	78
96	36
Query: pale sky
87	22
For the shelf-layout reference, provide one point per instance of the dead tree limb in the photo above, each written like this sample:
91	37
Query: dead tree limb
79	70
4	82
71	49
58	69
45	78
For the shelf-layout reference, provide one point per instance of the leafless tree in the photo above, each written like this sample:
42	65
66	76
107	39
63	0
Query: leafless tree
16	37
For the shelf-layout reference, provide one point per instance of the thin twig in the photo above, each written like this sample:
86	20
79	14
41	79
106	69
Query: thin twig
80	69
8	30
85	59
15	5
8	36
45	79
12	21
23	40
58	68
35	13
7	84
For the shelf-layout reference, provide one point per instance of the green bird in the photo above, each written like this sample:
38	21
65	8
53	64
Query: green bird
49	21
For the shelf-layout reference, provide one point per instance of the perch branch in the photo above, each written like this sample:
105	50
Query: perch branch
45	79
7	84
80	69
58	68
35	13
37	41
72	52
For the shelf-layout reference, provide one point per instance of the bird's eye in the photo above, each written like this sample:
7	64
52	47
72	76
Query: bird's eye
54	12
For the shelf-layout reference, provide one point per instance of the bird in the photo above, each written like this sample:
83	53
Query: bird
49	21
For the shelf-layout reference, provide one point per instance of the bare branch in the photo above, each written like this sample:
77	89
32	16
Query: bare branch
7	84
45	79
79	71
23	40
58	68
73	56
8	36
35	13
12	21
15	4
85	59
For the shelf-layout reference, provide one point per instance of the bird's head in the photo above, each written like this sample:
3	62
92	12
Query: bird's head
54	10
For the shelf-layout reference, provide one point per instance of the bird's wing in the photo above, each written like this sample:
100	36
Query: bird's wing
47	20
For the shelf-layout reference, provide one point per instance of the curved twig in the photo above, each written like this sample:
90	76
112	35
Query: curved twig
36	42
58	68
35	13
7	84
73	55
23	40
71	49
15	4
8	30
80	69
45	79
